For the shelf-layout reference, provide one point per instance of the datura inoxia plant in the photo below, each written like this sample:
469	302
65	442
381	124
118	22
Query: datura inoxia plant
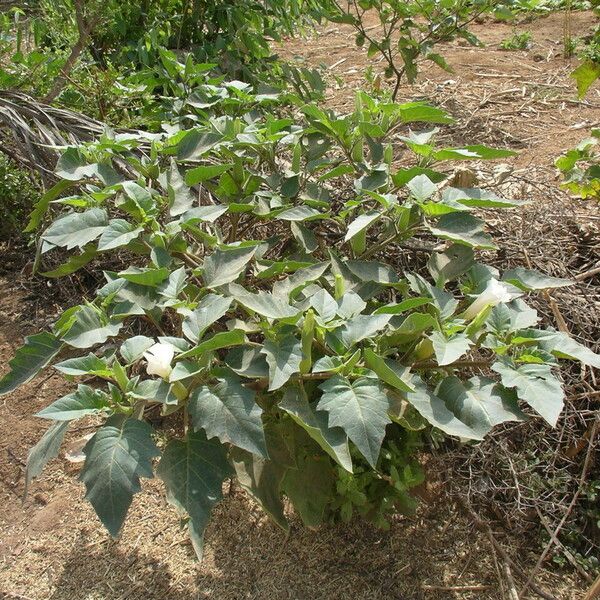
298	308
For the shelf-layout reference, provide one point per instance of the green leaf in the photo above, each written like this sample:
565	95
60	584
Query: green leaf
421	187
361	327
117	456
360	409
134	347
196	144
29	360
325	305
204	173
564	346
403	176
225	266
450	264
409	330
477	198
73	264
434	410
247	361
118	233
480	403
298	213
146	277
310	488
284	358
76	230
223	339
193	471
262	479
585	75
389	371
333	440
85	401
210	309
90	328
44	451
396	309
155	390
266	304
471	152
411	112
181	198
528	279
463	228
361	223
41	206
228	411
448	350
535	385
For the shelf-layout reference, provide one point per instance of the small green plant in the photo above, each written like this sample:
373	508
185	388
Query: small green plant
517	41
580	168
408	31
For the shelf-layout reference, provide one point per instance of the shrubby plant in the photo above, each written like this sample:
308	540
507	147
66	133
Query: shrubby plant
266	307
409	31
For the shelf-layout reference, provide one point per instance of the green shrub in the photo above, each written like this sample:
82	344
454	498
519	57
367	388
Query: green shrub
274	302
18	194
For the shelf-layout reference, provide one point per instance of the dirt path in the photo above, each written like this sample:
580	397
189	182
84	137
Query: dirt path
52	546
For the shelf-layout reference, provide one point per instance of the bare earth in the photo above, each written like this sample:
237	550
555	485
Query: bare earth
52	545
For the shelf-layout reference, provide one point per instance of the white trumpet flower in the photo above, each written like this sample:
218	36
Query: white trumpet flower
159	358
494	293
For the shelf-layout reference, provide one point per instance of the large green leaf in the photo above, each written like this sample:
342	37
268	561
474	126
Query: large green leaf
225	266
265	304
528	279
146	277
564	346
228	411
29	360
117	456
360	408
118	233
181	198
223	339
77	229
193	471
463	228
332	439
450	264
205	172
84	401
480	403
361	223
310	487
283	357
536	385
262	479
449	349
90	328
210	309
45	450
361	327
434	410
